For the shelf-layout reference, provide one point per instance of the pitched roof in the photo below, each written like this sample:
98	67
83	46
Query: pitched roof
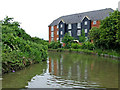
76	18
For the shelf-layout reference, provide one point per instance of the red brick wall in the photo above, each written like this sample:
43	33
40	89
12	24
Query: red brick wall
55	33
49	34
95	25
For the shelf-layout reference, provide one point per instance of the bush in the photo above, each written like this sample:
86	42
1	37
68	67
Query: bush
54	45
88	45
75	45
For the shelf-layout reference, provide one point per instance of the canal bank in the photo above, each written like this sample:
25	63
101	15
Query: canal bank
86	51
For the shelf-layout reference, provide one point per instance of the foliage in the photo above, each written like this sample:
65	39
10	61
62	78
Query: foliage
95	36
82	37
18	48
88	45
54	45
108	35
75	45
67	40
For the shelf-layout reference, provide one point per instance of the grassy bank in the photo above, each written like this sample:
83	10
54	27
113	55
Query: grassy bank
105	53
18	48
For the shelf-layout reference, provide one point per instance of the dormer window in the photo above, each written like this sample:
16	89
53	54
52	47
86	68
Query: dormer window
61	25
85	22
69	26
78	25
52	28
94	22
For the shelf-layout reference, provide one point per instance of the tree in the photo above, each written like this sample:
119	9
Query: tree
82	37
94	35
67	40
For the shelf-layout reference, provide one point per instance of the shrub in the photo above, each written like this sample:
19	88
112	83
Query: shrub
88	45
54	45
75	45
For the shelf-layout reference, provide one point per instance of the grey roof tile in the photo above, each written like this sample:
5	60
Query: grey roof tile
75	18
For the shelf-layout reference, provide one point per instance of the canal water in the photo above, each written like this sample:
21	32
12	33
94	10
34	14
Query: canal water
66	70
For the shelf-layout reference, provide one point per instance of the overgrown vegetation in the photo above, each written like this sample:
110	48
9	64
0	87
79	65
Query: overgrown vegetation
18	48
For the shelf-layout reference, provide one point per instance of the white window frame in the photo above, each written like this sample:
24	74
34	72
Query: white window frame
61	25
60	39
69	26
52	34
85	22
78	25
94	22
52	28
86	31
52	39
57	26
57	38
61	32
70	33
78	32
57	32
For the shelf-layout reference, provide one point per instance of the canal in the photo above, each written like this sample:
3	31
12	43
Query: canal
66	70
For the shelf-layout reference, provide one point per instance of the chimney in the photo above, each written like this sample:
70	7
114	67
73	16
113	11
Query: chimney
119	6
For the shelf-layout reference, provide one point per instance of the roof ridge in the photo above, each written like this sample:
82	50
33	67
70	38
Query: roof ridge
86	12
93	15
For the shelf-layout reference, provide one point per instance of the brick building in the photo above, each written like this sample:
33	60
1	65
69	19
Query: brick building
75	23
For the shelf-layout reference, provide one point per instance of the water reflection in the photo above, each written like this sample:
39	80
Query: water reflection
77	71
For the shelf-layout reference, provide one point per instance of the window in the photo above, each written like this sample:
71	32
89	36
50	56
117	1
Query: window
94	22
61	25
85	22
78	25
78	32
52	28
69	26
60	39
57	32
61	32
57	39
52	39
52	34
85	30
57	26
70	33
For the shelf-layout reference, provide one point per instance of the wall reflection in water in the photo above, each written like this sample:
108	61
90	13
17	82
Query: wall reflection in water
90	70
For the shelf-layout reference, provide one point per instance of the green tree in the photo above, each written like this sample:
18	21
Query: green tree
82	37
67	40
94	35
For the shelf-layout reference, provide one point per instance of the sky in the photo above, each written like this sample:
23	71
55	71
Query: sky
36	15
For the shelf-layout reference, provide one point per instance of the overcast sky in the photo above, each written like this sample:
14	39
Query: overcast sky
36	15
